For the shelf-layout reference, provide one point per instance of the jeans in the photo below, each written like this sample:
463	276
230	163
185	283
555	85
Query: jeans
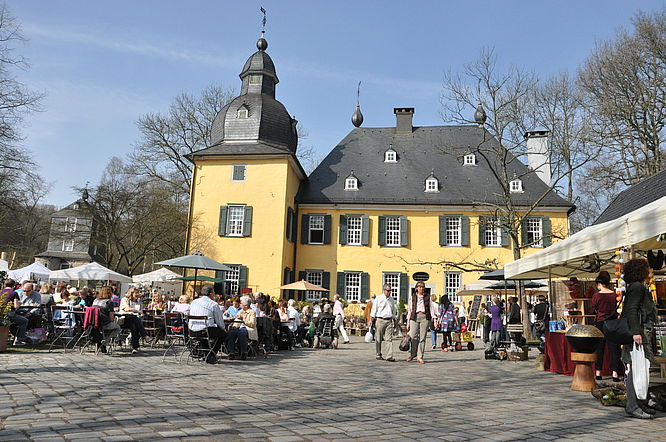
241	335
22	324
433	337
418	331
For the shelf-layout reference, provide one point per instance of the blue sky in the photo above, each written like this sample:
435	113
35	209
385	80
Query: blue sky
103	64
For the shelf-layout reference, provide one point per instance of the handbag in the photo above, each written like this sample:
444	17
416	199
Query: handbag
405	344
617	331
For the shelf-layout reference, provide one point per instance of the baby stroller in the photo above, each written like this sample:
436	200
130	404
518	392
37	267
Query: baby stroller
325	334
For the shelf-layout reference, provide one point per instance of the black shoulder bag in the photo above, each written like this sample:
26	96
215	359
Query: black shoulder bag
616	330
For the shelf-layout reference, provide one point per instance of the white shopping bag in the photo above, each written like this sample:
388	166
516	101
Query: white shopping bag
640	371
369	337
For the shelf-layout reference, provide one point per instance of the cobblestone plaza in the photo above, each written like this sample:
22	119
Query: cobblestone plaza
302	395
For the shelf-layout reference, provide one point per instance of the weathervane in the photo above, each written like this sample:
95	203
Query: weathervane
358	94
263	20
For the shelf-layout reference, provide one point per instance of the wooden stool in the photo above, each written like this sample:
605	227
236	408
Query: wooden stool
583	378
661	362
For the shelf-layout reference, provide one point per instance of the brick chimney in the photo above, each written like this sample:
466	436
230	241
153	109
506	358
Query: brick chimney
403	119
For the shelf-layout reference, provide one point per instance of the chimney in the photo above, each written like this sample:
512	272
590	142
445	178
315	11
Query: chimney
538	155
403	117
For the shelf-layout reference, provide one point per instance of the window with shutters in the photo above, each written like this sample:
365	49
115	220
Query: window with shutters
534	232
68	245
238	173
70	225
354	230
452	285
233	276
353	286
316	229
453	231
493	233
470	160
316	278
392	231
235	220
392	279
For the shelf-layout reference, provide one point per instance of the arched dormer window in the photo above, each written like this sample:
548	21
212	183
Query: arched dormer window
469	160
390	156
431	183
516	185
351	182
242	112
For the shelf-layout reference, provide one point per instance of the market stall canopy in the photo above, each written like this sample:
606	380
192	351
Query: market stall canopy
592	249
89	272
303	285
511	285
4	266
201	278
159	275
34	272
196	260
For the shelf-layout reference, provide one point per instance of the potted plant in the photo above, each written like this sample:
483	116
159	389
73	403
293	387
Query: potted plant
5	308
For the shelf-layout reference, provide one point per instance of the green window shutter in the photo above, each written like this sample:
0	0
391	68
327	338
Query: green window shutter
546	231
247	221
222	228
326	280
442	230
365	229
381	231
404	231
404	287
343	230
301	275
305	226
242	278
464	231
340	288
505	231
290	215
523	232
482	230
365	286
327	229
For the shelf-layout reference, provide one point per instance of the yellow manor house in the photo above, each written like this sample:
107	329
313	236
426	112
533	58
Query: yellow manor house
386	203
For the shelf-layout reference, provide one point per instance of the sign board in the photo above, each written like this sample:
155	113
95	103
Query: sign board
474	311
421	276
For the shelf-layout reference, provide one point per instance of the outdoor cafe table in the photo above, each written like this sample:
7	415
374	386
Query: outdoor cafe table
557	356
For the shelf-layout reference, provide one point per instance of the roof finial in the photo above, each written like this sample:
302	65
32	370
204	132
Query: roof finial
357	118
262	44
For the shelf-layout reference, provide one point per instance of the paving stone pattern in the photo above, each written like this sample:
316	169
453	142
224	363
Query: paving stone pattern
302	395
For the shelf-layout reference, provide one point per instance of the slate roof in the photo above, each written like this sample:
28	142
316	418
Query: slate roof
261	63
436	148
66	255
70	211
635	197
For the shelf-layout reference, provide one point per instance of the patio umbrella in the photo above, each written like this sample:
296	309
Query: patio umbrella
303	286
200	278
511	285
159	275
197	261
495	275
92	271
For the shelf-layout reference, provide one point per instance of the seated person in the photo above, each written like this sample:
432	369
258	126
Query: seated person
106	319
30	297
327	313
205	306
132	307
9	296
243	327
230	311
286	322
156	301
296	327
182	306
87	298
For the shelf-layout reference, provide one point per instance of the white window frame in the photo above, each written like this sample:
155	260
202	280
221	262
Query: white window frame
243	113
393	234
233	276
469	160
255	79
392	279
432	185
234	221
534	233
354	230
69	227
493	228
353	286
453	231
315	277
233	172
315	226
452	284
351	184
390	156
516	186
67	245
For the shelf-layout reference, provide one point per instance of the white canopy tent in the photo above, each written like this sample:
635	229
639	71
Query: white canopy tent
159	275
592	249
89	272
4	266
34	272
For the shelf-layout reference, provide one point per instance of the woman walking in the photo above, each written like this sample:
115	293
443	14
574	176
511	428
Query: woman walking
420	311
447	315
604	307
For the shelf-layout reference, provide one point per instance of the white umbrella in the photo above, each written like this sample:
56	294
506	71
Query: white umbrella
159	275
88	272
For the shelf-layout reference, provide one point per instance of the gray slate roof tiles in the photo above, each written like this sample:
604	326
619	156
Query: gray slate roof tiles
635	197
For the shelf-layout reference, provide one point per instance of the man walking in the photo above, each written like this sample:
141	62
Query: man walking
339	313
383	317
205	306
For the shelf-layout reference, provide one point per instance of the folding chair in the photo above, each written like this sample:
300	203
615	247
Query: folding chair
151	323
93	334
197	343
64	326
175	332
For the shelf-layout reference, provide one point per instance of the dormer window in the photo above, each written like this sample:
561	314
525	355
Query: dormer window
351	182
516	186
390	156
469	160
432	183
242	112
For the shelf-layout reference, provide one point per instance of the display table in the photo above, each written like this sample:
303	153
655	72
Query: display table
557	356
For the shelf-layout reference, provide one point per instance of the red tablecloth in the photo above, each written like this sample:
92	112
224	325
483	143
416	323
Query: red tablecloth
557	356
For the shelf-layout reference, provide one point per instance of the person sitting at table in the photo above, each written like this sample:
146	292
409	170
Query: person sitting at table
87	298
234	308
296	326
182	306
131	307
156	301
57	293
243	327
205	306
285	321
9	296
106	317
29	297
